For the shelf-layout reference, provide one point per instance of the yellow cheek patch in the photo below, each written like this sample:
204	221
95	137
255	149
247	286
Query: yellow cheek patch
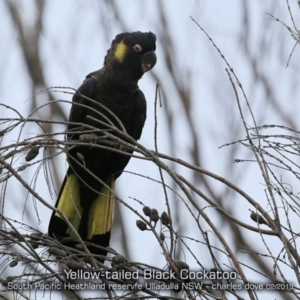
120	52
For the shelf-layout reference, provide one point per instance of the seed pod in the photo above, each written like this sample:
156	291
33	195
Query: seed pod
182	268
165	219
23	167
141	225
80	157
79	247
57	252
147	210
118	260
4	283
36	236
10	278
13	263
74	265
258	218
34	245
181	265
89	137
162	236
32	153
154	215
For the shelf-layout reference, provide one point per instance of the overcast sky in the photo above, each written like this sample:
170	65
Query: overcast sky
75	38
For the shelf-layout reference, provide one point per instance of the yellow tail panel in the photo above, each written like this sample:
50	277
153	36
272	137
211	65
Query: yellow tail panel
69	202
101	212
